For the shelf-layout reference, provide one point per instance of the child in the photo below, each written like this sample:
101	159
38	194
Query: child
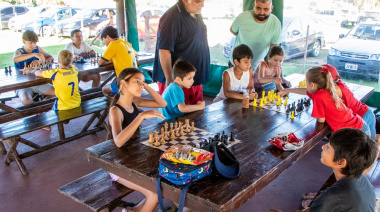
349	152
271	71
78	47
239	77
118	52
183	75
351	102
125	119
32	55
65	82
327	106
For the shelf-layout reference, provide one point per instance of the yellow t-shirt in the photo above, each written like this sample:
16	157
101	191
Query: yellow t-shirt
122	54
65	82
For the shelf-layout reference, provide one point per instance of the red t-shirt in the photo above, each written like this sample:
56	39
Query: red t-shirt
351	102
324	107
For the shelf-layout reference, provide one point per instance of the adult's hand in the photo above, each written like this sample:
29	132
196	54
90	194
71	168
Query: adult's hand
166	65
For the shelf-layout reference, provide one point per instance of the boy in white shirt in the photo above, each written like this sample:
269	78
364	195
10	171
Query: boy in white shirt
77	47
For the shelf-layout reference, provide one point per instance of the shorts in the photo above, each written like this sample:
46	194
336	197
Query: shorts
40	89
114	88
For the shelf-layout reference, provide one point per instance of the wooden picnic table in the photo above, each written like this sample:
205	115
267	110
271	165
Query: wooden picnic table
16	80
260	162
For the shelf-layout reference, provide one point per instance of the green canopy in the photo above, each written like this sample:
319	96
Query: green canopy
130	16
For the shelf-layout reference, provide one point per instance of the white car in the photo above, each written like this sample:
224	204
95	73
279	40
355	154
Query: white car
15	23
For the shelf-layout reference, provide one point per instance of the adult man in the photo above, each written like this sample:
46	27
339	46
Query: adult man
182	34
258	29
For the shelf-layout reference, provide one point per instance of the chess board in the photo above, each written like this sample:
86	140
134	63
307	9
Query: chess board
282	108
187	139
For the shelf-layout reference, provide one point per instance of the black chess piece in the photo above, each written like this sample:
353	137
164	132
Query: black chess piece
10	69
288	109
6	69
232	137
299	108
217	137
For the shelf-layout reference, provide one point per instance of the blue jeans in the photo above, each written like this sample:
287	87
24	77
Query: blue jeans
370	119
366	129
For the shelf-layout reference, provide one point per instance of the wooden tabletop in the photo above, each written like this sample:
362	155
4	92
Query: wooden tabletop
16	80
260	162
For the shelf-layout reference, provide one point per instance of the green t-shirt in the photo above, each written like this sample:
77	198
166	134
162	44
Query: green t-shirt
258	36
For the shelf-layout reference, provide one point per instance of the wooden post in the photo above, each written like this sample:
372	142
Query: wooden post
120	11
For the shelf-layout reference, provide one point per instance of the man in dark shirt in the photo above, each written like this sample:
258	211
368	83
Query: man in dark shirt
349	152
182	34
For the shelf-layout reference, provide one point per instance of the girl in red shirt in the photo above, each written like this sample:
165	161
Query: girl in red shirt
327	105
351	102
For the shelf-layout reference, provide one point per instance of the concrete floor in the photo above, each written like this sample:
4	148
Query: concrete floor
54	168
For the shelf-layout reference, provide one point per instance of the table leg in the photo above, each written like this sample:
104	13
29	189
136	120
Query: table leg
61	131
12	153
2	147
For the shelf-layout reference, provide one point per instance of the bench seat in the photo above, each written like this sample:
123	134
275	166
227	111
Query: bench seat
10	132
96	191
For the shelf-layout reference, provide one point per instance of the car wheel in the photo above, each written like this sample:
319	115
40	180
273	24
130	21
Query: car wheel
45	31
86	32
316	49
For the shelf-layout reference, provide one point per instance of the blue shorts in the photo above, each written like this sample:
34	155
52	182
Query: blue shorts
114	88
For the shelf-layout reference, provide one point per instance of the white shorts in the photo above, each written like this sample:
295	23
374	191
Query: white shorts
40	89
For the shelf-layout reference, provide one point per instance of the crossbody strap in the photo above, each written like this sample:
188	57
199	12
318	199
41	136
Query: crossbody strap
181	198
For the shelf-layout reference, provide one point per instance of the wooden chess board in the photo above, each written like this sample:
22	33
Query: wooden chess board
187	139
282	108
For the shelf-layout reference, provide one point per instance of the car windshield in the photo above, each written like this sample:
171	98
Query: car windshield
48	13
365	31
85	13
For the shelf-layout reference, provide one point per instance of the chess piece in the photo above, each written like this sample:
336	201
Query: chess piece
172	136
299	106
265	100
187	126
254	102
151	140
181	131
6	69
157	143
261	102
278	103
288	109
166	137
263	95
176	130
155	135
286	101
192	127
162	141
292	116
232	136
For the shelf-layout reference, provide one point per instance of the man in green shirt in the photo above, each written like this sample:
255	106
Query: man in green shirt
258	29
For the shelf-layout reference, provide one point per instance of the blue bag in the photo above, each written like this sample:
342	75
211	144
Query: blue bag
180	174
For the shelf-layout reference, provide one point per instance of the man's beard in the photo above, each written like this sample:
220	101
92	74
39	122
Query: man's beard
261	18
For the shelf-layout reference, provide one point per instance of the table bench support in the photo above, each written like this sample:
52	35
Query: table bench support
2	147
13	155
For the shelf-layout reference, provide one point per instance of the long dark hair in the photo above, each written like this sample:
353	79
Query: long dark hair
125	75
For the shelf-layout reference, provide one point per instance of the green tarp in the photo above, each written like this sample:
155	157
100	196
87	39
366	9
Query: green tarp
130	16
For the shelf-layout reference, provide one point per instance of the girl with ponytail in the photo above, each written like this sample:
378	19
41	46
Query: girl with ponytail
124	119
327	105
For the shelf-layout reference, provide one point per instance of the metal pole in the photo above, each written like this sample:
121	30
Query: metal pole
305	54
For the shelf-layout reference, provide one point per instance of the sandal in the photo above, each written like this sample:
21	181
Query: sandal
309	195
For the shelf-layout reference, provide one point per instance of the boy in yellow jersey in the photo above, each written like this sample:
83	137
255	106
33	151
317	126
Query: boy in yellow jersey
65	82
119	52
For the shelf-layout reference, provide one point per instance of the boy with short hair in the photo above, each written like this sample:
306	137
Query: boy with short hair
349	152
119	52
65	81
238	78
78	47
31	54
183	75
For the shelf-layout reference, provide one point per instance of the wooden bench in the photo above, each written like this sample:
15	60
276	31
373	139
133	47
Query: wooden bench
11	131
97	192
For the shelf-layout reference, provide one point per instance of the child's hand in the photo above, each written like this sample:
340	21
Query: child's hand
253	95
278	81
41	57
201	105
284	92
152	114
